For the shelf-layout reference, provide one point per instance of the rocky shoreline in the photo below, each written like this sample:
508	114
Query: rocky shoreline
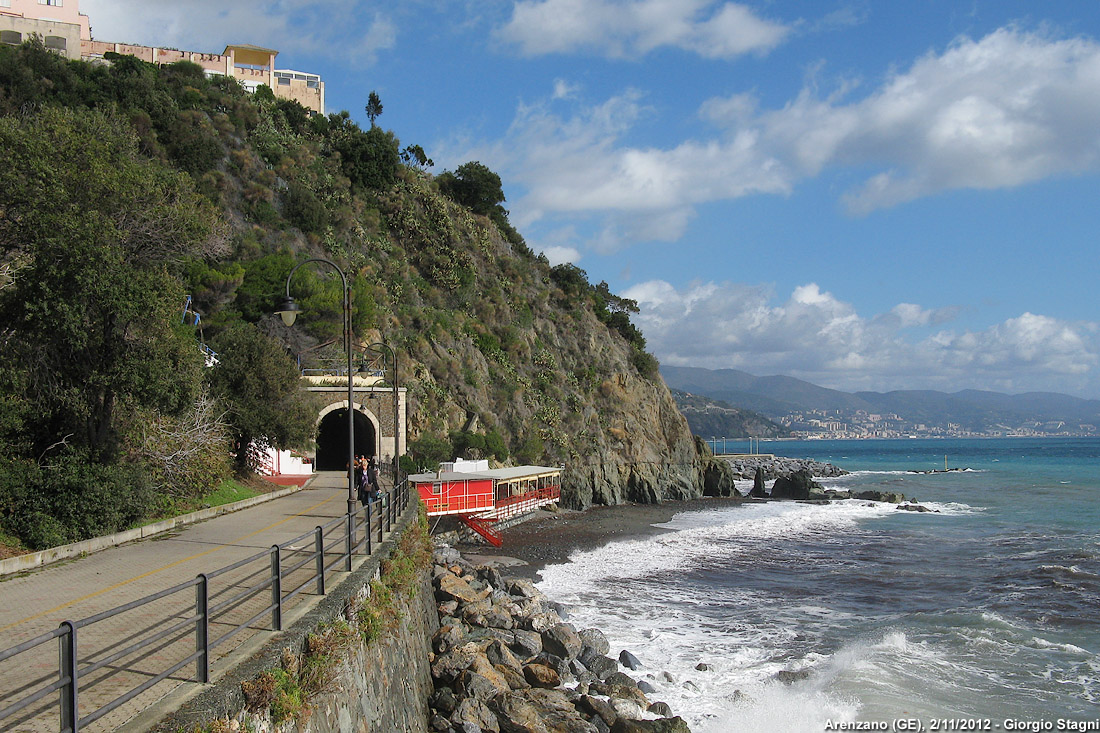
504	661
745	467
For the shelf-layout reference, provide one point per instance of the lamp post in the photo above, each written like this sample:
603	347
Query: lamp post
379	347
288	311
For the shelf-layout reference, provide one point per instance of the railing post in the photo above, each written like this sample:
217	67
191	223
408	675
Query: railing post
367	530
349	542
202	628
276	589
70	710
351	539
381	525
319	551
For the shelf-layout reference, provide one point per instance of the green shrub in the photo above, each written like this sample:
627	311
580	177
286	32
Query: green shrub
304	210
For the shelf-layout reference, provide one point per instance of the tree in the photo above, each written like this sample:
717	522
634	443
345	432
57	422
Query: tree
414	154
373	108
474	186
259	386
370	159
93	313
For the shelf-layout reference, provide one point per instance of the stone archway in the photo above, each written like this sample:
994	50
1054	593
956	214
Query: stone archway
332	437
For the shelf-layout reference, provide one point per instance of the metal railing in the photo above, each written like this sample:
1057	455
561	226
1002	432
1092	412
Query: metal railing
158	636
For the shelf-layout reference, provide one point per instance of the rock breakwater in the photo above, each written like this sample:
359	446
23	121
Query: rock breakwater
744	467
504	661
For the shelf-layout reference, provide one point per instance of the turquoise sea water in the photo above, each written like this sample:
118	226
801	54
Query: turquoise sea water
987	609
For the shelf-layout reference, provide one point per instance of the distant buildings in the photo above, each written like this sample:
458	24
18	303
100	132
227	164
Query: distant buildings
64	29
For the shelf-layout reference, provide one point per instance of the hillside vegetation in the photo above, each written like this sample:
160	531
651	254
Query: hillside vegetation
130	186
709	418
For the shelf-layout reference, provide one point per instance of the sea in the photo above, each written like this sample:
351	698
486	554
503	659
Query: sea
983	614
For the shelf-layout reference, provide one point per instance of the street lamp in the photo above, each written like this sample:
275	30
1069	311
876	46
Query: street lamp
379	347
288	310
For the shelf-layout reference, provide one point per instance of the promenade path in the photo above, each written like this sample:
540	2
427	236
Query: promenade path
40	600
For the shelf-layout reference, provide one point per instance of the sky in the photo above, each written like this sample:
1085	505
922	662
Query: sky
866	195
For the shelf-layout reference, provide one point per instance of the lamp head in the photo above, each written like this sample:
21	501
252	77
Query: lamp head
288	310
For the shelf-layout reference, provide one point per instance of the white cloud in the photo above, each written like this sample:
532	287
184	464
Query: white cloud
1008	109
333	28
564	90
816	336
560	255
632	28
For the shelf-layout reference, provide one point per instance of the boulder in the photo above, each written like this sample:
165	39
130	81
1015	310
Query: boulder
646	687
702	667
540	675
600	665
444	700
500	655
595	640
472	685
618	678
628	709
451	587
447	638
475	712
891	497
917	508
562	641
795	486
526	644
596	707
628	660
660	708
523	588
758	490
447	667
790	676
514	677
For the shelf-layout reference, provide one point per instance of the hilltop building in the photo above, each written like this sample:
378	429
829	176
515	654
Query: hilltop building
64	29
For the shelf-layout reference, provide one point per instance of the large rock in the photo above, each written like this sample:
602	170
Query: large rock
891	497
594	640
796	486
629	661
562	640
758	489
541	675
475	712
526	644
452	587
447	667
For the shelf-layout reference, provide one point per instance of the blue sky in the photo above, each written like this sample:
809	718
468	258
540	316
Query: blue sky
865	195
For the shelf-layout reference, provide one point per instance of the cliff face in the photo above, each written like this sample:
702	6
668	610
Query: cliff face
509	351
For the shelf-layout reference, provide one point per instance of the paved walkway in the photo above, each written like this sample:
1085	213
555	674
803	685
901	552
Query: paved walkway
77	589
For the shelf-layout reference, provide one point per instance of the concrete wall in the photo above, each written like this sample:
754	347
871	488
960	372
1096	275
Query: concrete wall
47	29
64	11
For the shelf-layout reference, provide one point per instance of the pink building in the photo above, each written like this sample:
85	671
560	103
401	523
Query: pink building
63	28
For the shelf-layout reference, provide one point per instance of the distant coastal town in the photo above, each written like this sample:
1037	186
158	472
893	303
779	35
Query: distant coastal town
858	424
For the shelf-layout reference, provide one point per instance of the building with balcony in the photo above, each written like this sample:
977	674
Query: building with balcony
64	29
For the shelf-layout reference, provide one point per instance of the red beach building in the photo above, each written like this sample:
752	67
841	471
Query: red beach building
480	496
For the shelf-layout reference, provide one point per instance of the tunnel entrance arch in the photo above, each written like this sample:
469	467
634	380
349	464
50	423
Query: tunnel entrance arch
332	437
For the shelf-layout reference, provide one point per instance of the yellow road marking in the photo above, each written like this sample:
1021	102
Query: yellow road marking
101	591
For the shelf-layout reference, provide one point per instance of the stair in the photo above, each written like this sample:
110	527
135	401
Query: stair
483	528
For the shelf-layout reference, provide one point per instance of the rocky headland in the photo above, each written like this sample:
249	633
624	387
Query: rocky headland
504	661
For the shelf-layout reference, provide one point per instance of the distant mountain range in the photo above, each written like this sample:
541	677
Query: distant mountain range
977	410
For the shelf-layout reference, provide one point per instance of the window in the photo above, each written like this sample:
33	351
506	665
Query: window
284	81
5	3
55	43
55	3
12	37
437	488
